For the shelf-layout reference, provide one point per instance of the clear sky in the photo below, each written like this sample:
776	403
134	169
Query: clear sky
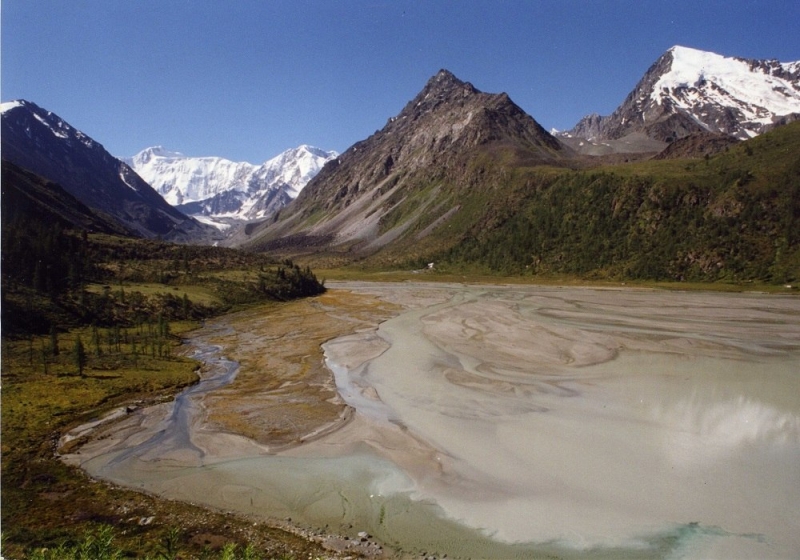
247	79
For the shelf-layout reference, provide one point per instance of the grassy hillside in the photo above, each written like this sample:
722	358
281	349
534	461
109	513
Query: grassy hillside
731	217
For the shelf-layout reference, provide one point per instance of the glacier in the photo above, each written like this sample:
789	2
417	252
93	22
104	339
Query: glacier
216	187
757	90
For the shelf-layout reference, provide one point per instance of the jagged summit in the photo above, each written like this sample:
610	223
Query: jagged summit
443	87
449	116
444	79
688	90
444	83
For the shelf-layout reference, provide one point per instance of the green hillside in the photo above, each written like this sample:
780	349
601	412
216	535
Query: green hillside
732	217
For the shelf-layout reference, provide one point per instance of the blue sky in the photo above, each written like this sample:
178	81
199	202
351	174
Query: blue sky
248	79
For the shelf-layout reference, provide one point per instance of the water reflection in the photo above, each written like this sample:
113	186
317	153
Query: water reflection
714	427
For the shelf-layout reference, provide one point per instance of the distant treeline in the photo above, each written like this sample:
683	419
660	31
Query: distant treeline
48	269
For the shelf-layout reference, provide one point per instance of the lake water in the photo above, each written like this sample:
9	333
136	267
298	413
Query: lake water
499	422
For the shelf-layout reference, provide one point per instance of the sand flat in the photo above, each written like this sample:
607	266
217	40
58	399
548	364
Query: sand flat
497	421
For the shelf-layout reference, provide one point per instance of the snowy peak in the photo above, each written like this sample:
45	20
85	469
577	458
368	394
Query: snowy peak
296	167
687	91
155	152
9	105
214	186
757	90
687	59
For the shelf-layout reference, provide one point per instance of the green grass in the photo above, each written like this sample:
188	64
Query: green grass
42	396
128	301
731	219
475	274
197	294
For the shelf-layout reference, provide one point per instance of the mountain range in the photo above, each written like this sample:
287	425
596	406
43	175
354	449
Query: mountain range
467	178
220	189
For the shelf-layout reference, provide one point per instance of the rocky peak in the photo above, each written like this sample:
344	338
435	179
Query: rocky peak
444	87
688	91
433	140
448	118
588	127
445	84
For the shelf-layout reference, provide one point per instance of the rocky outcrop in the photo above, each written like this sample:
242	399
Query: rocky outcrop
697	145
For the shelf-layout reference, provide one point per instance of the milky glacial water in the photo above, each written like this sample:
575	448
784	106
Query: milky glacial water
506	422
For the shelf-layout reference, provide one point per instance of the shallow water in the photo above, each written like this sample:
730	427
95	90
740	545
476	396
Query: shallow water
496	422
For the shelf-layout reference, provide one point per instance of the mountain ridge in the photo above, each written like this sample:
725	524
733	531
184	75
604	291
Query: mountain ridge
29	196
42	142
467	181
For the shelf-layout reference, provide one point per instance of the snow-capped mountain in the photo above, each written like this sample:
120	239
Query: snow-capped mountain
42	142
217	187
689	90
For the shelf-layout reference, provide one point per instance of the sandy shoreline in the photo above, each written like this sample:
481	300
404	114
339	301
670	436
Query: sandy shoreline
595	423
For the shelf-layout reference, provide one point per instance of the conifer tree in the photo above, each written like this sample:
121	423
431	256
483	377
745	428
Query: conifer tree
98	351
79	355
45	356
53	340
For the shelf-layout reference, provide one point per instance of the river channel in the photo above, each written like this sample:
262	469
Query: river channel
514	422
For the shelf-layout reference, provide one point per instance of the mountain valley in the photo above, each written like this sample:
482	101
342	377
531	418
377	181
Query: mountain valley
468	180
120	277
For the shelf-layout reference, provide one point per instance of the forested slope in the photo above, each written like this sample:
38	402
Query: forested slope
735	216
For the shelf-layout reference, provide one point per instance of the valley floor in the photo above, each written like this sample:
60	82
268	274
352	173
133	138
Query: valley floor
489	421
